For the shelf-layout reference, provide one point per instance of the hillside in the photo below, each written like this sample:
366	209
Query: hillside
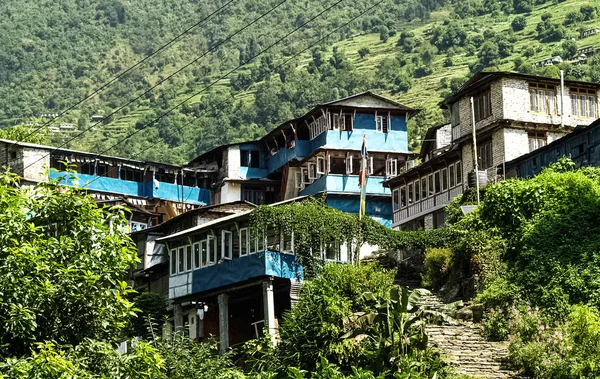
418	51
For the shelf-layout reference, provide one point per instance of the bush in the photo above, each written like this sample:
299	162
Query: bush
437	267
363	51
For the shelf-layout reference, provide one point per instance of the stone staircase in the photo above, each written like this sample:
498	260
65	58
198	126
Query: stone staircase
462	344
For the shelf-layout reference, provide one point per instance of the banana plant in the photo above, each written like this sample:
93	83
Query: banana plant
395	330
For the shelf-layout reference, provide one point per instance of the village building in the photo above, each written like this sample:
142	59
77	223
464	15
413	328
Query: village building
514	114
154	192
318	153
582	146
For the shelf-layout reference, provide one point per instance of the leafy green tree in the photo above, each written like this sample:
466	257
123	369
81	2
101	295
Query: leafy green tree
518	23
23	133
489	54
572	18
63	263
569	48
588	12
523	6
384	33
363	51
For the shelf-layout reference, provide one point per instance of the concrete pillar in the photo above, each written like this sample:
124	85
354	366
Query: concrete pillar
223	300
269	304
178	318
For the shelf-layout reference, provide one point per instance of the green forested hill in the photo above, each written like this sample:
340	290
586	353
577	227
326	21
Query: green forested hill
55	52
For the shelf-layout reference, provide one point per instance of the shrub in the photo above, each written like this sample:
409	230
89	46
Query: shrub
363	51
437	267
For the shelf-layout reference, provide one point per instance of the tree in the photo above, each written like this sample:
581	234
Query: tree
23	133
588	12
569	48
572	18
518	23
63	260
363	51
384	33
489	54
523	6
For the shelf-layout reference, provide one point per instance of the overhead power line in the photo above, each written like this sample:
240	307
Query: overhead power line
227	39
261	77
123	73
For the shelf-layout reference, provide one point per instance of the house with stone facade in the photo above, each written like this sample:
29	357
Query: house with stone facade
513	115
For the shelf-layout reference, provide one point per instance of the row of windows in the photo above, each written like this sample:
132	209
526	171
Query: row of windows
543	98
213	249
345	122
351	165
427	186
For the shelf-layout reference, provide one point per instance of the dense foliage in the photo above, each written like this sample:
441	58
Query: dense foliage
62	264
531	252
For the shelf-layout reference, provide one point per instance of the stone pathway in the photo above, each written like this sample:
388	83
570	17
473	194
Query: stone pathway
463	345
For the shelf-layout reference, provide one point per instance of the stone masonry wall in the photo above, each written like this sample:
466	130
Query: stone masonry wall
36	163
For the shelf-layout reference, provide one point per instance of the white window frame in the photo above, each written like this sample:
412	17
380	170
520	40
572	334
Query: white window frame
282	243
379	124
321	165
191	260
391	167
312	171
204	245
245	244
396	199
197	261
338	251
226	254
180	257
304	170
173	259
424	189
214	249
458	173
349	165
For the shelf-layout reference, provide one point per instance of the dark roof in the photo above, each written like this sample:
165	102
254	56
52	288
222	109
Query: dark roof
485	77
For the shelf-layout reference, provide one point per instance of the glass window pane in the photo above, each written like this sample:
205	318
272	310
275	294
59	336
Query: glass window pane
188	257
181	260
402	197
437	182
417	190
244	241
203	253
410	194
173	262
423	188
444	180
583	105
458	173
451	174
592	106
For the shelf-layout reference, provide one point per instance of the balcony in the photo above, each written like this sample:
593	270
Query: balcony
425	206
266	263
345	183
164	191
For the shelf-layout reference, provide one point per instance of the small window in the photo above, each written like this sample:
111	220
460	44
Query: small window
484	155
451	175
424	188
203	253
437	182
305	178
180	260
250	158
458	173
402	197
430	187
583	103
382	124
391	167
444	173
417	191
337	121
226	244
212	250
312	171
244	242
321	165
411	193
287	242
260	243
332	252
396	199
173	259
536	140
370	167
483	105
188	258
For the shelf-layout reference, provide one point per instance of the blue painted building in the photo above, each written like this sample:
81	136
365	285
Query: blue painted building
317	153
225	280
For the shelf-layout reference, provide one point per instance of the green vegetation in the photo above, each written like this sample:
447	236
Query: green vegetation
53	56
530	254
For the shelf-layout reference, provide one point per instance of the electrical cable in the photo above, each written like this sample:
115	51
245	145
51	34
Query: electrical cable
160	82
123	73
